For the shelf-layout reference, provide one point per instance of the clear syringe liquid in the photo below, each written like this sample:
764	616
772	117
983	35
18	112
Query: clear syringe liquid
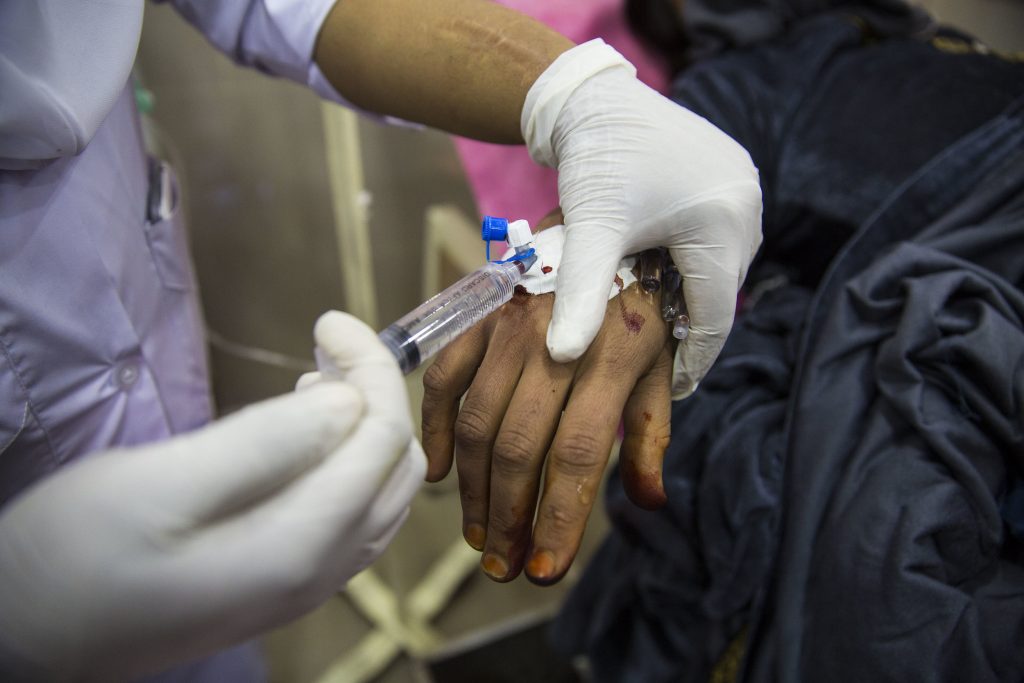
429	328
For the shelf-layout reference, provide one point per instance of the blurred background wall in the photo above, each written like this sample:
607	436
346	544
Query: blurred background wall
1000	23
264	216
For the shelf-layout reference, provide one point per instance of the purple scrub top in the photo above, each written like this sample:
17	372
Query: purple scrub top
101	335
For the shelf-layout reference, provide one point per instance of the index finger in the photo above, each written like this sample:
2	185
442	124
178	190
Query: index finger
444	383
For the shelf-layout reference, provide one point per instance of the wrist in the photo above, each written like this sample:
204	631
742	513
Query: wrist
551	91
550	242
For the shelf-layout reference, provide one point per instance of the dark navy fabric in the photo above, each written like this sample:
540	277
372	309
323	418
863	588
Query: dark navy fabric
712	27
845	487
836	119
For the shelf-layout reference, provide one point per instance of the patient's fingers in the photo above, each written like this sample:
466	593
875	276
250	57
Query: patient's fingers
575	465
647	421
517	462
444	383
475	430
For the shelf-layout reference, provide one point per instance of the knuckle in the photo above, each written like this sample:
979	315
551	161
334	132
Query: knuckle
609	365
472	428
437	380
507	523
559	521
471	496
580	453
433	427
512	456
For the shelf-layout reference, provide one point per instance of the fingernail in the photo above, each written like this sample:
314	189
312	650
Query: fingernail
475	536
541	565
494	566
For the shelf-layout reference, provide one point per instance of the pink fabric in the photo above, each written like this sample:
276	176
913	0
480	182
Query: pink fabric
504	179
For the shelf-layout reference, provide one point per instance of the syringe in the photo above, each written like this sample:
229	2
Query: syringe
429	328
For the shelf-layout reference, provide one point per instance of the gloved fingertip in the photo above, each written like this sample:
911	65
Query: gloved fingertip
308	380
585	277
566	343
331	320
345	341
684	380
418	459
337	325
684	389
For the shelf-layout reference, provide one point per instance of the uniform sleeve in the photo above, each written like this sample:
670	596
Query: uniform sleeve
273	36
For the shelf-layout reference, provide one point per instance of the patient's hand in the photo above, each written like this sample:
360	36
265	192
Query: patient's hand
524	415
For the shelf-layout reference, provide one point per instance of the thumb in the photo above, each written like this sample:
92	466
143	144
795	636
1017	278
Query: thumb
249	455
711	279
348	349
586	273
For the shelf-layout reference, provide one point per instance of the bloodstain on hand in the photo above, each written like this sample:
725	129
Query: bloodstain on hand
520	298
634	321
644	487
546	269
618	282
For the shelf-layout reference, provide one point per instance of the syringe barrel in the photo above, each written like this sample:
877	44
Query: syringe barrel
422	333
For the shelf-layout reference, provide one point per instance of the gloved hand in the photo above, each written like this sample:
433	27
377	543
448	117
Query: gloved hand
135	559
637	171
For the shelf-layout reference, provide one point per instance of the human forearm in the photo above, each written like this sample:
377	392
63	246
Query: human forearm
463	66
635	170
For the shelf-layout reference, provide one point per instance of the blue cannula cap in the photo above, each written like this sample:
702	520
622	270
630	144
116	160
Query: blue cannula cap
494	229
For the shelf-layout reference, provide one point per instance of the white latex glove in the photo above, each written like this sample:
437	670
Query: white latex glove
135	559
637	171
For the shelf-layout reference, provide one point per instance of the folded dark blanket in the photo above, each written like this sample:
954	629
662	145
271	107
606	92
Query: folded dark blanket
845	487
716	26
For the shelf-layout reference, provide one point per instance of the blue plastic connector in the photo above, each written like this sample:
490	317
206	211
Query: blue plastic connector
494	229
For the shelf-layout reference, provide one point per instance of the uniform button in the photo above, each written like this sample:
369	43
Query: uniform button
126	374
